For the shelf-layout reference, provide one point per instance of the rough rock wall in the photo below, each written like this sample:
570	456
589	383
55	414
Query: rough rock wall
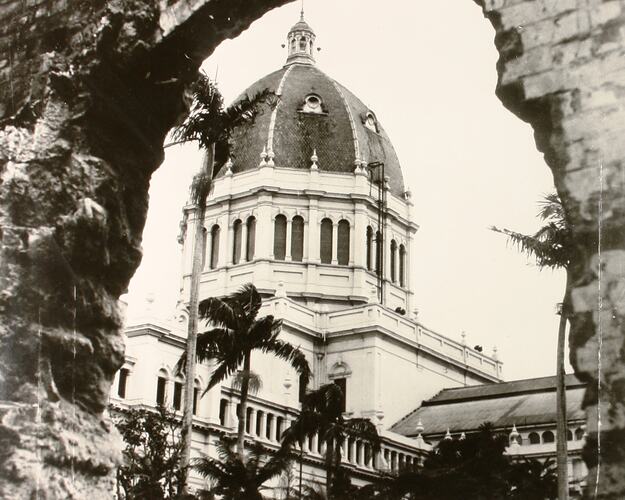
562	69
89	90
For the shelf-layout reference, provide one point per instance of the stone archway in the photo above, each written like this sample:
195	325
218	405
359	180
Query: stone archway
93	87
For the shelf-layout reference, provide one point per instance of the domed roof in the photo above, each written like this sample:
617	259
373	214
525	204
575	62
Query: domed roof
334	123
312	113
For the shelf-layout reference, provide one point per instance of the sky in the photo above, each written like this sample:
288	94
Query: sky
427	70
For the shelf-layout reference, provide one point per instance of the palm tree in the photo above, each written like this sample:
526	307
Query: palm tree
553	246
210	125
236	332
322	414
235	479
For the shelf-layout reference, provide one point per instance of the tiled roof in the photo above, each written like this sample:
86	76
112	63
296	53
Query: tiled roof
296	134
521	402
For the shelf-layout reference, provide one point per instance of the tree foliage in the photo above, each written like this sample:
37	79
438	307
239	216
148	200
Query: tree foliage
151	468
236	479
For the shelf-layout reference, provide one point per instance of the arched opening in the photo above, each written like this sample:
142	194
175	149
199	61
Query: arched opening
533	438
379	253
369	249
237	235
223	409
297	238
250	247
122	381
161	388
214	259
325	244
579	433
393	261
342	250
548	437
279	237
402	266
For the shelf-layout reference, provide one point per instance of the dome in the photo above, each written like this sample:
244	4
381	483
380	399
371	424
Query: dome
313	113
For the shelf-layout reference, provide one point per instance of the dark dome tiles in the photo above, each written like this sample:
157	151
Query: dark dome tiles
297	134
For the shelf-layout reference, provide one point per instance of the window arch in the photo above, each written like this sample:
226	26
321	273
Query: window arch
302	44
178	388
161	387
196	395
579	433
250	244
402	266
122	382
569	435
548	437
279	237
214	260
297	238
237	231
325	247
533	438
393	263
342	250
369	256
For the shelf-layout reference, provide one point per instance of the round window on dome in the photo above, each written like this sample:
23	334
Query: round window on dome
370	122
312	104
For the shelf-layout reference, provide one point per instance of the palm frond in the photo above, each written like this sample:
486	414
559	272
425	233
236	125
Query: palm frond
209	345
248	299
222	371
254	381
328	400
200	187
291	354
364	429
540	249
219	312
307	424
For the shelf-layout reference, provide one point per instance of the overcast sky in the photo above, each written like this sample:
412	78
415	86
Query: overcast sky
427	69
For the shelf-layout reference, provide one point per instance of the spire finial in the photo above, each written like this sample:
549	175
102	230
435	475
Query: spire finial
301	14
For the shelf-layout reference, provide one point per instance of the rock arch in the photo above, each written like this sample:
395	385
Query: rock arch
93	89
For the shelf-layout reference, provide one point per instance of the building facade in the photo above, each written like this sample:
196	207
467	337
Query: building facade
312	209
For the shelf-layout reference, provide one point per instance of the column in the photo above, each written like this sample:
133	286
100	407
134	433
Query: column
264	227
315	444
207	250
352	244
335	242
361	454
313	231
306	254
252	421
229	244
354	451
359	237
288	239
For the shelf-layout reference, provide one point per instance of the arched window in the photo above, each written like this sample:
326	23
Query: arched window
378	252
297	238
579	433
302	44
250	246
237	231
279	238
393	264
214	246
342	383
402	265
161	387
533	438
223	409
342	250
178	385
121	383
369	257
548	437
302	388
326	242
569	435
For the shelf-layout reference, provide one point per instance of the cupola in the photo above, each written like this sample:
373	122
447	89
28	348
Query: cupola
301	41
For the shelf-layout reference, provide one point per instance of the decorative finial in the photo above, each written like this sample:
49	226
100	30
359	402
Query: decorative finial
419	428
270	157
301	14
495	352
228	167
447	435
314	158
514	435
464	337
263	157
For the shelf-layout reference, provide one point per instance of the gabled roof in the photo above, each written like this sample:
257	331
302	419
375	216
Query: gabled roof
527	402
